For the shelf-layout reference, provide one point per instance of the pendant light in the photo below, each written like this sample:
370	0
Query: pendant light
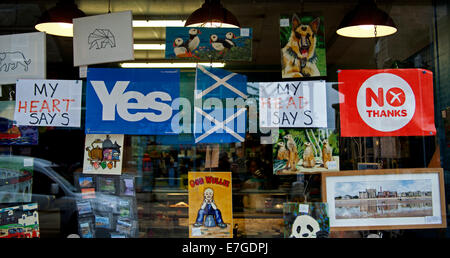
58	20
366	21
212	14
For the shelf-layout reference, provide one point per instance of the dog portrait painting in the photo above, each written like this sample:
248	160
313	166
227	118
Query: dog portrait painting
302	46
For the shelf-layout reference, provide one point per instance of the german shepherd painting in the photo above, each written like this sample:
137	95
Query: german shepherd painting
299	54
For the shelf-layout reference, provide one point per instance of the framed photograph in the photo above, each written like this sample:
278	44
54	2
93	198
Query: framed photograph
385	199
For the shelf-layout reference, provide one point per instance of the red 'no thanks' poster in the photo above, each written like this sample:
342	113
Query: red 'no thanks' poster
390	102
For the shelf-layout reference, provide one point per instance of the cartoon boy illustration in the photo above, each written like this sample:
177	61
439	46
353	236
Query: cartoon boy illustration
209	208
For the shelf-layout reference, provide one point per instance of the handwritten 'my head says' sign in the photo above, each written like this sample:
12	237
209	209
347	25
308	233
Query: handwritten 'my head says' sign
48	103
293	104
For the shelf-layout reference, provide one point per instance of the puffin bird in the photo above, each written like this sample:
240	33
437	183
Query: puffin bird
216	43
193	40
180	49
228	42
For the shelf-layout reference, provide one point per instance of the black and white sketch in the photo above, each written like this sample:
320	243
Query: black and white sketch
22	56
101	38
11	60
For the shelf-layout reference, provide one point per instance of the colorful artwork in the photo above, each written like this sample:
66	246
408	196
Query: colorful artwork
306	150
16	179
209	43
302	46
10	133
306	220
103	154
210	205
20	222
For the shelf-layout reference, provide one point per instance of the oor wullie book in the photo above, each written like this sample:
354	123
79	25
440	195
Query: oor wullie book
210	205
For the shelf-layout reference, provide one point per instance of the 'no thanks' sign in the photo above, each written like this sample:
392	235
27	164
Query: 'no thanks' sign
391	102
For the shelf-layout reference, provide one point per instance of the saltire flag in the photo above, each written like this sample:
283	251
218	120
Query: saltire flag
219	124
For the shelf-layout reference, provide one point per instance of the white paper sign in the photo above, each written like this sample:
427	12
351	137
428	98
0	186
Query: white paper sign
303	208
48	103
22	56
293	104
103	38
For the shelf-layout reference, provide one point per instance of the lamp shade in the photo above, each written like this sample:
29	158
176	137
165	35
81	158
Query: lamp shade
366	21
58	20
212	14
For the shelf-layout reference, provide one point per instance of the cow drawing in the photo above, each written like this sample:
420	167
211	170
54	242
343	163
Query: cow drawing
100	38
11	60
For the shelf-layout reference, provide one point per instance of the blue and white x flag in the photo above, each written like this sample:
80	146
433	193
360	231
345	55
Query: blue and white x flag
219	125
219	83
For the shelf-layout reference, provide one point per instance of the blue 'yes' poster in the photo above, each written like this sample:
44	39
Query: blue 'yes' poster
131	101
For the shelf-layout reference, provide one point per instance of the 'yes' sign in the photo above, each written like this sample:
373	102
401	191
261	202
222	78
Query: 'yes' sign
391	102
131	101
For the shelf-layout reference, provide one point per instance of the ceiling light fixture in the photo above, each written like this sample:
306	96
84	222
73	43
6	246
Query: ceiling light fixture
170	65
58	20
366	21
212	14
